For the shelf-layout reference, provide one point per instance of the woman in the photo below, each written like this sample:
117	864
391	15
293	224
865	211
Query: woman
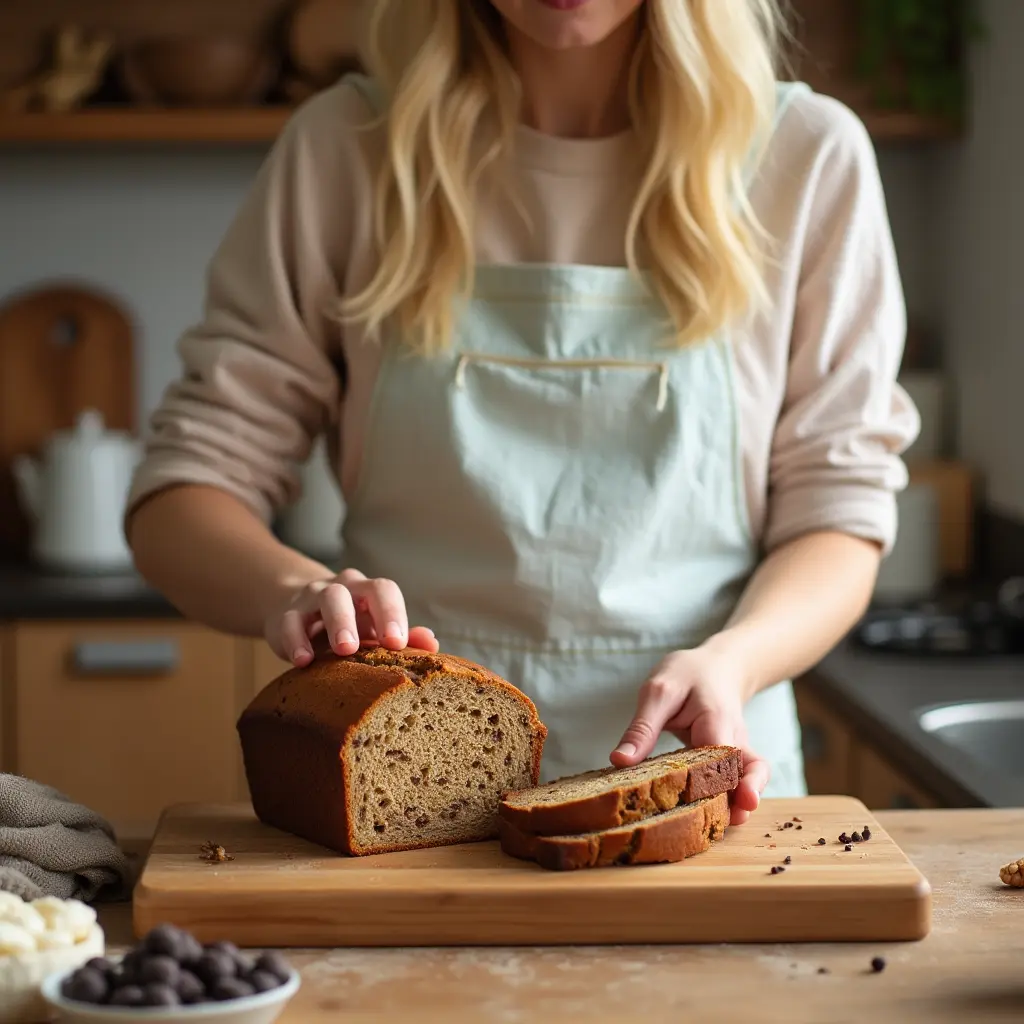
602	326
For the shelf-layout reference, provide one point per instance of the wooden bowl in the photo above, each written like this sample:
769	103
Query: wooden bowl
198	71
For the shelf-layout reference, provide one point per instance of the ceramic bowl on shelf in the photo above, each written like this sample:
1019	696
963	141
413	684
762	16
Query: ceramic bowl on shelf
198	71
262	1008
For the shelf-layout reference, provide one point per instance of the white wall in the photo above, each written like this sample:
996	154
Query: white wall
140	224
975	233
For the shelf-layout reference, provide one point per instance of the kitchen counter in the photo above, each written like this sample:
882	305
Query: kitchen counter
969	967
881	695
28	593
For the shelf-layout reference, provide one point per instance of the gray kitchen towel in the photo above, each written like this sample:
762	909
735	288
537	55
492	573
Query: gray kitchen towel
51	846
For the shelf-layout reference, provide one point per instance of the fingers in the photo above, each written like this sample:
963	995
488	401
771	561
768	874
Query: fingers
747	797
382	602
660	699
294	641
338	612
423	639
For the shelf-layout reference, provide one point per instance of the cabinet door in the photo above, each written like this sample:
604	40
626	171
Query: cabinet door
883	787
267	666
827	744
127	717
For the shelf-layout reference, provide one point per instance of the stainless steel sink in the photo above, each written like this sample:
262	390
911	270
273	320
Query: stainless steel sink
990	733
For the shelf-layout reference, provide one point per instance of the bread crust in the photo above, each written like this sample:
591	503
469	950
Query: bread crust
632	802
665	838
306	719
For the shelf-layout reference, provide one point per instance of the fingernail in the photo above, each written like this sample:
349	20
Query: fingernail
345	637
629	749
299	654
392	631
431	632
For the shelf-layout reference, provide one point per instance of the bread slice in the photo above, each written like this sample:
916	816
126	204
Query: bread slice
665	838
609	797
387	751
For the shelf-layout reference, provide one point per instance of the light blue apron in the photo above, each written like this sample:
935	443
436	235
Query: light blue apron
560	498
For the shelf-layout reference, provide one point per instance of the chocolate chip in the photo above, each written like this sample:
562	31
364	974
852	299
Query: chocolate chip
821	842
823	970
878	964
129	995
213	966
857	838
788	860
795	818
160	995
275	964
231	988
848	847
86	985
866	833
767	835
788	824
263	981
775	869
190	988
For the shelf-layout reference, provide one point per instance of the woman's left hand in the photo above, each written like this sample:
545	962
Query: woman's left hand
698	696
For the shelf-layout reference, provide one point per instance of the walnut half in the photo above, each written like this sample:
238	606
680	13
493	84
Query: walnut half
1013	873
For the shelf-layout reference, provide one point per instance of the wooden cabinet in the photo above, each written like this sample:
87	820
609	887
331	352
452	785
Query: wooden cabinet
838	761
266	666
127	717
827	744
883	787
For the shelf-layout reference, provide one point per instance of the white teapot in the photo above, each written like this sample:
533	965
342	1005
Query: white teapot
76	493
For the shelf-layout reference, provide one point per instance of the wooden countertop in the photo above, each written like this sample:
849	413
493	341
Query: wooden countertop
971	966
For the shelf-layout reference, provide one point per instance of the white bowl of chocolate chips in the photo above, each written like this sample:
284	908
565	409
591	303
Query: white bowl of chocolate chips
170	976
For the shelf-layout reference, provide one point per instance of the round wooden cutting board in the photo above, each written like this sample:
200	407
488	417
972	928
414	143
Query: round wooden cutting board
63	349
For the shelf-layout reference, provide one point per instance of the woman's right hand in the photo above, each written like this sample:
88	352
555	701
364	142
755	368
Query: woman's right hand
352	610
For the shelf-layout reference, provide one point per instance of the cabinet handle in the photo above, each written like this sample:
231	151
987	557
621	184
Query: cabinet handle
903	802
126	658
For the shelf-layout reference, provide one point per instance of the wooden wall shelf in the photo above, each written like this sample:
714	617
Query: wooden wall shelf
127	125
263	124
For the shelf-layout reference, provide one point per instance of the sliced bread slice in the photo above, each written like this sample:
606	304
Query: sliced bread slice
609	797
665	838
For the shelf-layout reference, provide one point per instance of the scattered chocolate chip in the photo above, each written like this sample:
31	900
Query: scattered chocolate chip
767	835
788	860
821	842
776	869
843	837
799	827
848	847
823	970
866	834
788	824
795	818
856	838
878	964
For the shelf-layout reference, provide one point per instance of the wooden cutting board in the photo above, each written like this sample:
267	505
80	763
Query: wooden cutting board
63	349
282	891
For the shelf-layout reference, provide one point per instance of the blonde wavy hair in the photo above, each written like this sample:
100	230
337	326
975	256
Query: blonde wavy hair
702	98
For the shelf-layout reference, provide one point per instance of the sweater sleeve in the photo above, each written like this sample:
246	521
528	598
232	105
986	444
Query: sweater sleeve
258	380
836	455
